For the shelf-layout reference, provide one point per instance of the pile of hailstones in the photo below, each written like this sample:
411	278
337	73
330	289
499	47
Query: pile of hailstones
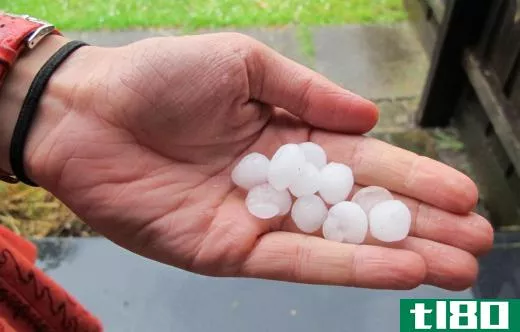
321	190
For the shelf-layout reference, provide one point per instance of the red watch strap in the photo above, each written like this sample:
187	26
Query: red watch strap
14	32
17	33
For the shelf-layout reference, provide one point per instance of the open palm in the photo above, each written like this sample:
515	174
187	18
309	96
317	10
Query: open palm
145	151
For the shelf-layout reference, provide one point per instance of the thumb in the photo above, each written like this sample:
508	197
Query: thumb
279	81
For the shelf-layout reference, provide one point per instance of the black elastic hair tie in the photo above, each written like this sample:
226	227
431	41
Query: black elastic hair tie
30	105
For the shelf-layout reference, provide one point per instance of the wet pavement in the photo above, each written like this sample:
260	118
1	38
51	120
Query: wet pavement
131	293
376	61
499	275
373	61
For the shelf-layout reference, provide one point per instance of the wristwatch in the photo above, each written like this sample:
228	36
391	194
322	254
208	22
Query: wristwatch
17	34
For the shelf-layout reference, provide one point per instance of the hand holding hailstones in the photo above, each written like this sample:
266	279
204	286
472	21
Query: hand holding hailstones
302	170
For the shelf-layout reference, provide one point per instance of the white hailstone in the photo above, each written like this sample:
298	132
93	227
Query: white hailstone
346	222
368	197
251	171
265	202
336	182
314	154
390	221
284	202
307	182
309	213
285	165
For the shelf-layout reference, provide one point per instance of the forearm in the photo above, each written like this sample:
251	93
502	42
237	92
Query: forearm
14	89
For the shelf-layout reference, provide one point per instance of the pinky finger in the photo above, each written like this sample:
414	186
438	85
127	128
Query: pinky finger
308	259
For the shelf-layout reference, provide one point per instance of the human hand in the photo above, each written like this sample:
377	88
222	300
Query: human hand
143	147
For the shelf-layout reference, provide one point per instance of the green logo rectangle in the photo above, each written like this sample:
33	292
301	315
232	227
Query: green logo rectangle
459	315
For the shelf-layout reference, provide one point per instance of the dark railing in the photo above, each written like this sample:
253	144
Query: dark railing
474	84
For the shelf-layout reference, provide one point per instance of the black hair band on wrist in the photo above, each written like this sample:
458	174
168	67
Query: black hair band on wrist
30	105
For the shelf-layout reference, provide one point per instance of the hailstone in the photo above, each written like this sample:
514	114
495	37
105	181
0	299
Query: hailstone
309	213
390	221
346	222
285	166
336	182
314	154
368	197
307	182
265	202
251	171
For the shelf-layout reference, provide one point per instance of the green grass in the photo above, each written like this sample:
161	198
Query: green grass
33	212
194	14
447	140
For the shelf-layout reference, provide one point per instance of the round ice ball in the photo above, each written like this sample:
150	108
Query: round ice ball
368	197
346	222
307	182
309	213
285	166
251	171
314	154
265	202
390	221
336	182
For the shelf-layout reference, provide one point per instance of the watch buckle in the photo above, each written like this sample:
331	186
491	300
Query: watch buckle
37	35
7	178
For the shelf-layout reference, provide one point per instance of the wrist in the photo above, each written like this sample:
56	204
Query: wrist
52	105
